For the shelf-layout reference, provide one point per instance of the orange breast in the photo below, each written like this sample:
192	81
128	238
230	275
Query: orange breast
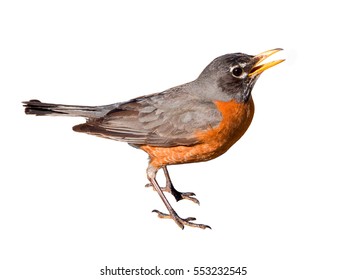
236	118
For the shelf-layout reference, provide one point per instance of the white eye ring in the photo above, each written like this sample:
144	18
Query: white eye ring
238	72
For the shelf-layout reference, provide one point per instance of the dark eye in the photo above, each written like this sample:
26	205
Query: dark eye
237	71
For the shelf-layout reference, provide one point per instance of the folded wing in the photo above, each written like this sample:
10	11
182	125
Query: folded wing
165	119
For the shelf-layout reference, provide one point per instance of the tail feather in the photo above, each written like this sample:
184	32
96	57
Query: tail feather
36	107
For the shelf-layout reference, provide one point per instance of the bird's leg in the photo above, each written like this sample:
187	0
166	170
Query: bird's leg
151	174
177	194
171	189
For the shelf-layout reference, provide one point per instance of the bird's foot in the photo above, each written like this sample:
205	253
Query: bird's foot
177	194
184	195
180	221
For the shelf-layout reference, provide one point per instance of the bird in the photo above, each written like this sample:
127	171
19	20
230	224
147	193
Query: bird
193	122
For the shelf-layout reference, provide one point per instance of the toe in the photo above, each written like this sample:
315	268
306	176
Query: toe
195	200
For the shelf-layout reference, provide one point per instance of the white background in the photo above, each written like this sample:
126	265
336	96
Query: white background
72	203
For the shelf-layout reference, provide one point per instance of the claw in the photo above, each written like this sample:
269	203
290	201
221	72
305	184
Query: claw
180	221
188	195
161	215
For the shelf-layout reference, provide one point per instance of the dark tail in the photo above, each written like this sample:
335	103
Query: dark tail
36	107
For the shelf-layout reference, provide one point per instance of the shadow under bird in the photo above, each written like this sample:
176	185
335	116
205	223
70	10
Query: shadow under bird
194	122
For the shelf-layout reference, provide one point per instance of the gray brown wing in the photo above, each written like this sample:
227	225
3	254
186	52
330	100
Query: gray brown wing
165	119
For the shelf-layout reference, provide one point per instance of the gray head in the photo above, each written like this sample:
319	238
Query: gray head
235	74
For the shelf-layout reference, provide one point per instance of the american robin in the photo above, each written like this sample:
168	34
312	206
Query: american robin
193	122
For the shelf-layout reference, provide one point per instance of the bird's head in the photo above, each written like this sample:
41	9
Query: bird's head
235	74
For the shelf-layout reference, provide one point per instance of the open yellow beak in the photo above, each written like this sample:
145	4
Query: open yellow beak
260	68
